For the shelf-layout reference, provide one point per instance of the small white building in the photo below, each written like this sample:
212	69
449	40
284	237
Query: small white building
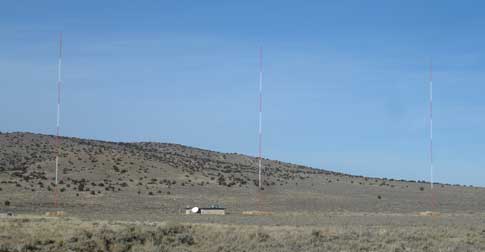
213	210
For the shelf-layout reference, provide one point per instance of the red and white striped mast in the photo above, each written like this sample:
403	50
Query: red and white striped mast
59	82
431	123
260	130
431	164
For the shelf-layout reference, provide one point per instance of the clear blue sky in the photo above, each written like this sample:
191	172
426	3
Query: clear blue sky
345	89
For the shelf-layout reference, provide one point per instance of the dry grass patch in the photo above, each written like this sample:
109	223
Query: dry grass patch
66	234
55	214
257	213
429	213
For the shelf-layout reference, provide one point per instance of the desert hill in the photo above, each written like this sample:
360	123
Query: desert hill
118	178
30	158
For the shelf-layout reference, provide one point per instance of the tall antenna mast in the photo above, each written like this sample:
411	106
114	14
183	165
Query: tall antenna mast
59	82
431	122
260	131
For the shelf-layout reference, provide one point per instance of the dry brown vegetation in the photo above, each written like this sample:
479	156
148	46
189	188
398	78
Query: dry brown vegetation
49	234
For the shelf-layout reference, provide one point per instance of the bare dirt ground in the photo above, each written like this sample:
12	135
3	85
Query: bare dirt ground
131	196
